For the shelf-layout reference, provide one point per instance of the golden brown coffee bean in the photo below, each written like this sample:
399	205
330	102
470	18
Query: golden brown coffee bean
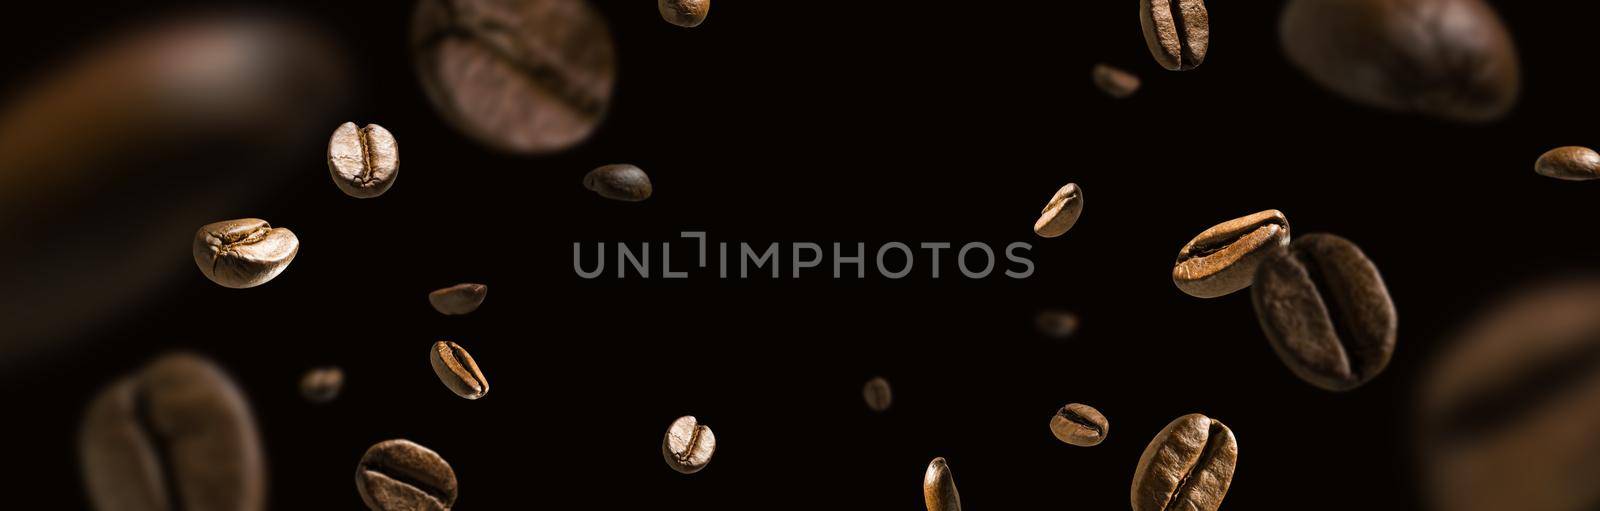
1061	213
688	445
243	253
939	487
364	162
1223	259
1178	32
457	370
684	13
1188	465
1569	163
458	299
1079	425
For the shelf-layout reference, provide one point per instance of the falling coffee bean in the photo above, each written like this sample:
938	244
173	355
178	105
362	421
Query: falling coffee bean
322	384
1057	324
363	161
1079	425
620	182
1060	213
1188	465
399	475
1115	82
1451	59
1569	163
457	370
243	253
684	13
1325	309
1178	32
877	394
458	299
1223	259
176	435
939	487
521	76
688	445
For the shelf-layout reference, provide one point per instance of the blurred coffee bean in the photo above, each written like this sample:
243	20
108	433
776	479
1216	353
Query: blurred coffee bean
1061	213
877	394
684	13
1115	82
243	253
175	435
688	445
521	76
364	162
1178	32
322	384
457	370
1079	425
939	487
1325	309
1223	259
1569	163
1451	59
1509	410
1188	465
1057	324
458	299
620	182
399	475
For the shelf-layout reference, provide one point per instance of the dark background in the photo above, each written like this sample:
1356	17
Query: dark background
850	122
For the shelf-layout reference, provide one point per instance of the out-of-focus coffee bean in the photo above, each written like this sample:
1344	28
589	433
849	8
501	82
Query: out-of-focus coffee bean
1569	163
1079	425
364	162
1178	32
1061	213
322	384
1188	465
684	13
458	299
243	253
1223	259
1057	324
1327	313
620	182
399	475
688	445
457	370
939	487
1115	82
877	394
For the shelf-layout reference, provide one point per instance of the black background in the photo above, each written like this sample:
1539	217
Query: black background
851	122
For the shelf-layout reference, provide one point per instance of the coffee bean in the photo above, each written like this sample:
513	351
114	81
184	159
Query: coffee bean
688	445
939	487
1569	163
243	253
1178	32
1115	82
620	182
1452	59
1325	310
322	384
1188	465
458	299
364	162
684	13
178	434
1223	259
521	76
457	370
399	475
877	394
1060	213
1079	425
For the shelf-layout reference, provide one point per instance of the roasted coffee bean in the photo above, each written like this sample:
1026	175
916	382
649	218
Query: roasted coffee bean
1057	324
457	370
1325	309
1223	259
1115	82
1451	59
521	76
364	162
877	394
1178	32
688	445
399	475
684	13
322	384
458	299
1060	213
1508	412
243	253
1188	465
1079	425
1569	163
939	487
621	182
176	435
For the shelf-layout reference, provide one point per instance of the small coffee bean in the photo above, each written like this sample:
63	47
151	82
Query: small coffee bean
877	394
1188	465
688	445
322	384
1057	324
939	487
1060	213
1115	82
1223	259
458	299
1079	425
1569	163
684	13
243	253
364	162
620	182
457	370
1452	59
399	475
1178	32
176	435
1325	310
